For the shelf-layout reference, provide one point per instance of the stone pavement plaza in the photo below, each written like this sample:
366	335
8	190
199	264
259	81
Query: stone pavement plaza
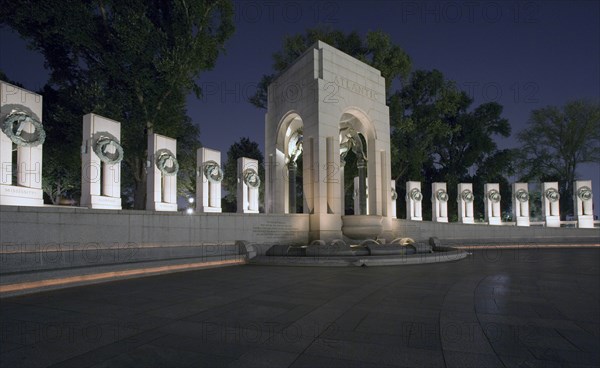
497	308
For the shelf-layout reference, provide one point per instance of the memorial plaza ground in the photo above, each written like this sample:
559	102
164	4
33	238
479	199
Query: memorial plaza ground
522	307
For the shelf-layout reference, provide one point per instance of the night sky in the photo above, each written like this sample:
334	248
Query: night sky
523	54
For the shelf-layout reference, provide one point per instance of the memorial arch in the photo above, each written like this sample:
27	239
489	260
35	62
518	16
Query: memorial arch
325	100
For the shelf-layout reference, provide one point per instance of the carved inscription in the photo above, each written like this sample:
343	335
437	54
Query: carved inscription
19	191
355	87
275	230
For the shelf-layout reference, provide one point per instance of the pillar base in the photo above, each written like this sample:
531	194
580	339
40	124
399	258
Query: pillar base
12	195
522	221
210	209
552	221
161	206
248	211
102	202
441	219
388	226
467	220
325	227
362	227
495	221
585	221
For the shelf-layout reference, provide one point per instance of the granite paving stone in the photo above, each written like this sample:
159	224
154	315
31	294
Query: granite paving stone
493	309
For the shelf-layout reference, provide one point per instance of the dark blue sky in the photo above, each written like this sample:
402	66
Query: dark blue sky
522	54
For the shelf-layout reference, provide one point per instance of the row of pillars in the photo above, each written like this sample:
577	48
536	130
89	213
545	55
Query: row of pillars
210	175
582	200
101	156
103	191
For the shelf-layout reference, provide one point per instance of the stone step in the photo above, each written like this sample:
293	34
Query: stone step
19	259
19	283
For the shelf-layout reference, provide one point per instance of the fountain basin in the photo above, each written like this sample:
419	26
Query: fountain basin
362	226
369	253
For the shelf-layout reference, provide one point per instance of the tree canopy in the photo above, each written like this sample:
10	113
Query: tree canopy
557	141
132	61
438	135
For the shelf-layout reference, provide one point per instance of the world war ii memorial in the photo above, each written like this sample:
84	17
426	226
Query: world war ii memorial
291	278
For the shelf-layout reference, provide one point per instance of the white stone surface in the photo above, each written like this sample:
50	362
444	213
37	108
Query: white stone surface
320	90
356	199
465	207
49	227
247	196
100	182
161	190
476	234
550	209
584	207
520	208
27	189
392	191
439	210
493	213
414	206
208	193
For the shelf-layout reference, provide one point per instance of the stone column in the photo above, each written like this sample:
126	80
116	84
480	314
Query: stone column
550	204
248	185
331	176
582	203
465	199
26	135
292	168
520	203
493	214
161	180
342	188
439	202
393	197
362	186
356	197
308	175
414	198
101	163
208	180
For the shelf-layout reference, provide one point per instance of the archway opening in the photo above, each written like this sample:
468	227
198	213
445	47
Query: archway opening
290	146
355	134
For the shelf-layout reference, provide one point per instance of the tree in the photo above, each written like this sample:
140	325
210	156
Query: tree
61	169
438	136
132	61
558	140
470	140
243	148
421	110
495	168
